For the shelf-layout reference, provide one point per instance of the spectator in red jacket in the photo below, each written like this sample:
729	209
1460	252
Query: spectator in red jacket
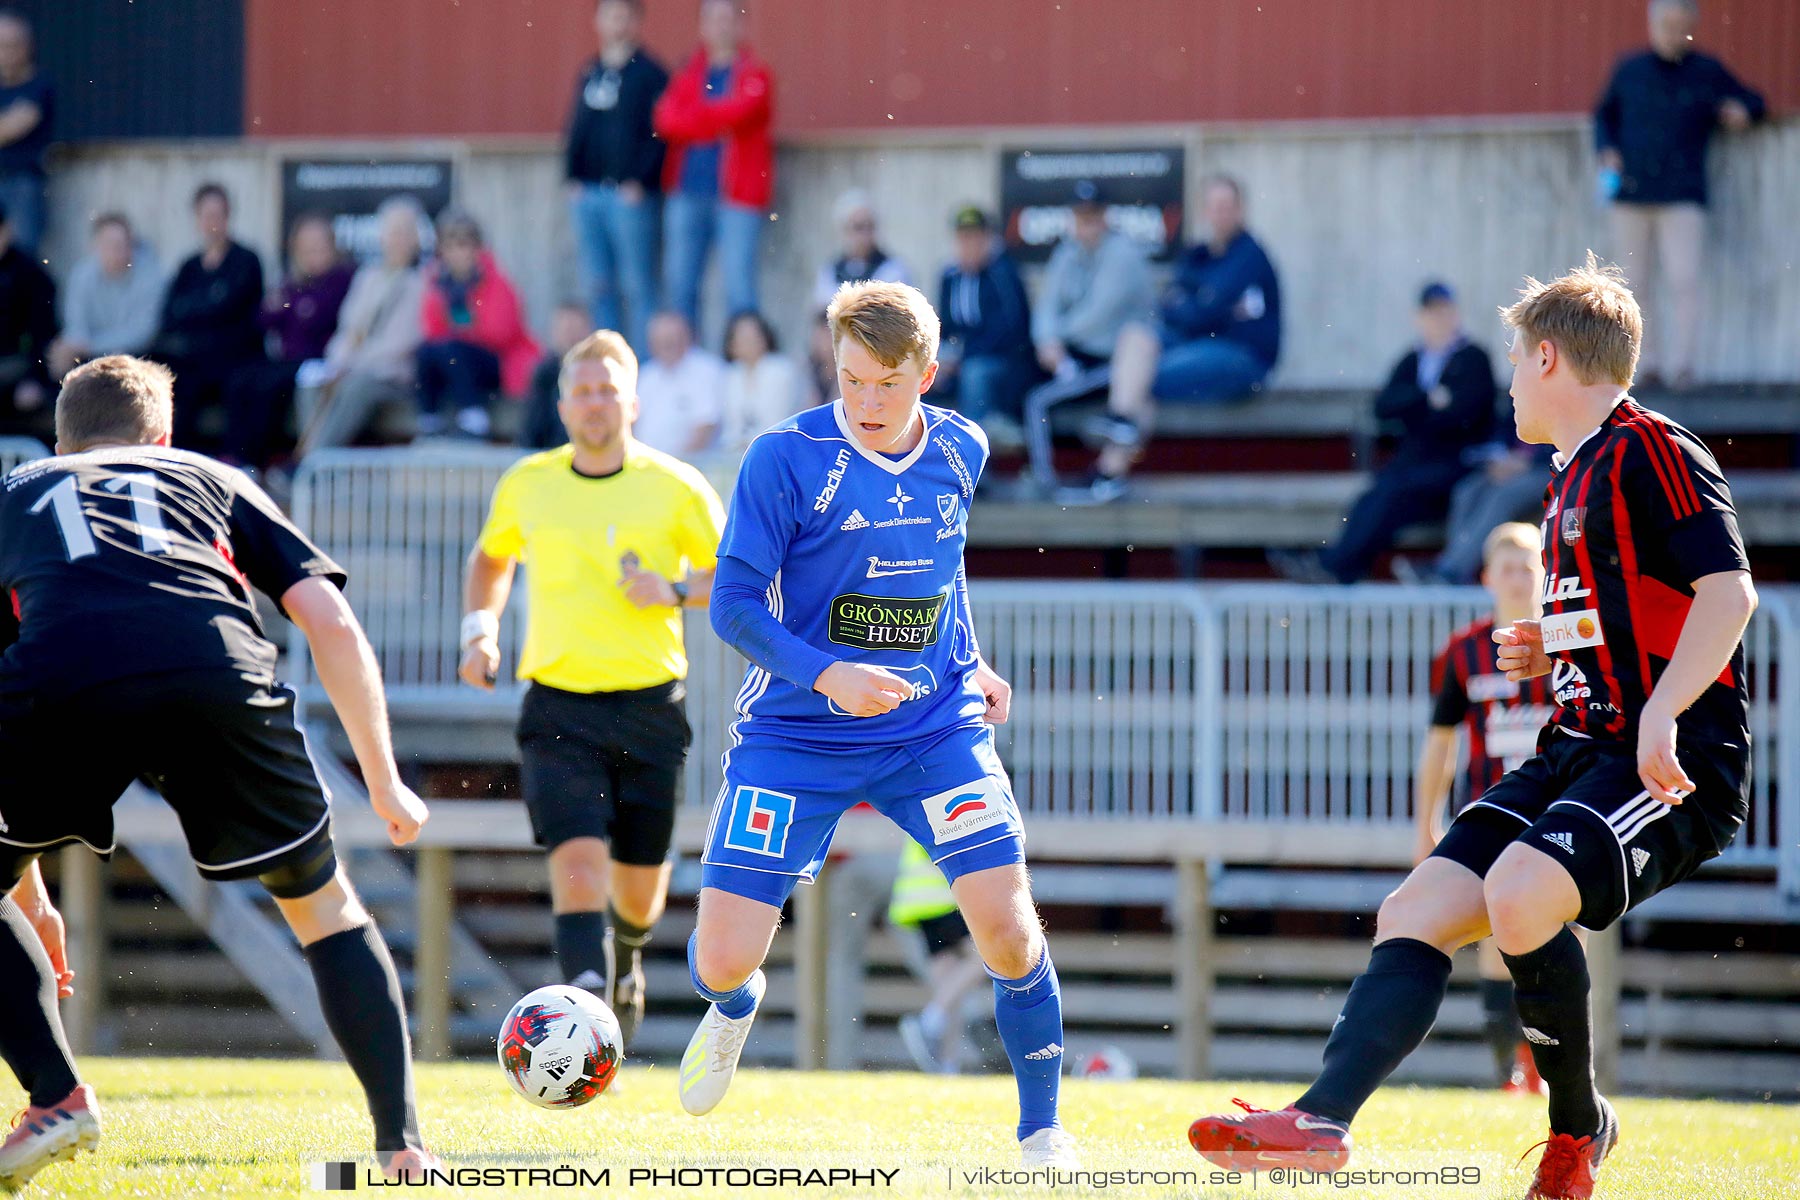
476	342
719	172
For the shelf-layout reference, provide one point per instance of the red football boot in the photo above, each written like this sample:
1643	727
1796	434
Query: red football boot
41	1136
1569	1165
1262	1138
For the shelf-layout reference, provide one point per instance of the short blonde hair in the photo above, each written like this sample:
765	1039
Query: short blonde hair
118	398
892	321
1590	316
1512	535
597	346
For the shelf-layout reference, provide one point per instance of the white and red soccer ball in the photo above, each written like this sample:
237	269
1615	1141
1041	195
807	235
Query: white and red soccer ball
560	1046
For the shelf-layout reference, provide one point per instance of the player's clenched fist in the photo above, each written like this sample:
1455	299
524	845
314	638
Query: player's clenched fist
480	663
401	808
862	690
997	691
1521	654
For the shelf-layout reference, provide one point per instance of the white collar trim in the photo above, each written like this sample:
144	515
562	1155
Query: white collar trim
890	465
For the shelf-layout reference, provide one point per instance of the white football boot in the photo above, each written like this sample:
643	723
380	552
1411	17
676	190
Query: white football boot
1052	1148
712	1055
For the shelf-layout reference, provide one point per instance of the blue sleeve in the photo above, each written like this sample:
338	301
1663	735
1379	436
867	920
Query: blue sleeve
962	600
740	615
764	505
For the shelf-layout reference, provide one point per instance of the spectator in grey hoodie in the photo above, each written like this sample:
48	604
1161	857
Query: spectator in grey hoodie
368	364
112	300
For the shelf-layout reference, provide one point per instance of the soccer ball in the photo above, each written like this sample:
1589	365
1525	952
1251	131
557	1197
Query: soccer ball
560	1046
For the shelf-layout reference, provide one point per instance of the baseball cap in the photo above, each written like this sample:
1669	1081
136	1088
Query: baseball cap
1436	292
1088	194
969	217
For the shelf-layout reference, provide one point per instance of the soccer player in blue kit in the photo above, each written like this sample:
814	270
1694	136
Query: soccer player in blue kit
841	579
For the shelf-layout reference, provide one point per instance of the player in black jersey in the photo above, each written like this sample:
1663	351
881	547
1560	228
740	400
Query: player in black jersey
132	649
1641	777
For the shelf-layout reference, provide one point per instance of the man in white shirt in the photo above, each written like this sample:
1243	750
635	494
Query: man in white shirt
679	391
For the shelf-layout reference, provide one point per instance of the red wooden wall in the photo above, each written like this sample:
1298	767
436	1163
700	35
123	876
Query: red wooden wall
467	67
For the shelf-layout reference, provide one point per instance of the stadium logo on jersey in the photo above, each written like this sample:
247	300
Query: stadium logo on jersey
1571	525
885	622
899	500
954	457
834	479
1564	587
879	566
854	521
924	683
960	811
1567	683
759	821
1572	630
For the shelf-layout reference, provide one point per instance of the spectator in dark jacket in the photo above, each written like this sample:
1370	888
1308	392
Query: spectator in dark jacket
299	317
1651	128
1441	395
720	170
614	166
209	321
27	328
27	124
985	357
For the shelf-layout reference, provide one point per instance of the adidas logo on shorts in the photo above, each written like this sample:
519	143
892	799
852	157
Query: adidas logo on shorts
855	520
1538	1037
1562	841
1640	858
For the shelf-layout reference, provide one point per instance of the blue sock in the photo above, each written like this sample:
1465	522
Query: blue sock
740	1001
1029	1014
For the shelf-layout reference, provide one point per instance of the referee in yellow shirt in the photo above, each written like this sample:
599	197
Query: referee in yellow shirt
617	538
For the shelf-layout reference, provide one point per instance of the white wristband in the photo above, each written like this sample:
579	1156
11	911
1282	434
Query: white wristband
479	624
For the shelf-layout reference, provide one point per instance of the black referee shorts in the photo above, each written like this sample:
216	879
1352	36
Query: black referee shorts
605	765
1580	802
225	754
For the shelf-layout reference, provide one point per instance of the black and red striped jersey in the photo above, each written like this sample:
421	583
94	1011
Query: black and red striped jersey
1501	716
1632	518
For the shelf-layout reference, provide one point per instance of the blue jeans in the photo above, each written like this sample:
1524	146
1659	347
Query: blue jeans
456	375
985	384
1208	371
690	226
23	195
615	244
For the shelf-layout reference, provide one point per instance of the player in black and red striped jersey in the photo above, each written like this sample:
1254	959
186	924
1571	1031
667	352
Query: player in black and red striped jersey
1642	776
1498	720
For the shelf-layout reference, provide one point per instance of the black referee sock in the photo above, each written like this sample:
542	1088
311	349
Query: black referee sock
1390	1009
1500	1020
360	993
1552	986
628	942
31	1031
580	939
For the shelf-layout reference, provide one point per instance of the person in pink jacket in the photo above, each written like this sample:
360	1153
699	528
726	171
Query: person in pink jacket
476	341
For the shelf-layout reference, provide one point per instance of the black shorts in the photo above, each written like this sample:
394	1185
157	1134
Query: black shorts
225	754
943	931
1581	802
605	765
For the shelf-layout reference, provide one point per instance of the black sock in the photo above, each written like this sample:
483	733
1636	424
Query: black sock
1551	984
1390	1009
31	1031
631	939
360	993
581	948
1500	1020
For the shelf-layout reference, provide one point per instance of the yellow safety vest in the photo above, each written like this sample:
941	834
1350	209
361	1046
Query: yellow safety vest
920	891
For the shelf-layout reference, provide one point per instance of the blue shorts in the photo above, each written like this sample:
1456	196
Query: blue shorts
772	824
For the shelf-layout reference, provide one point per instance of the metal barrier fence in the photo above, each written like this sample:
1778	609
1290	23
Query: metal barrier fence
1132	700
16	450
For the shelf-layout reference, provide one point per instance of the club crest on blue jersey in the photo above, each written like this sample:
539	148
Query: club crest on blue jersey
759	821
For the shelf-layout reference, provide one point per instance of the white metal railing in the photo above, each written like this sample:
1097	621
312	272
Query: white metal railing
16	450
1255	702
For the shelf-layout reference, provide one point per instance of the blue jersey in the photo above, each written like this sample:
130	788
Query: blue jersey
866	554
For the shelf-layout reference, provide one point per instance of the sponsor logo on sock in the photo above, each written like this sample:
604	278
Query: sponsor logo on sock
1538	1037
1562	841
1640	858
1048	1052
1305	1122
854	521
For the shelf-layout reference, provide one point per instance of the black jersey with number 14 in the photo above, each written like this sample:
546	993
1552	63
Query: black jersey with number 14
137	560
1638	513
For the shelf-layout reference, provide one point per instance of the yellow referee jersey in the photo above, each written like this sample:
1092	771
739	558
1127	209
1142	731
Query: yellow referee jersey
571	532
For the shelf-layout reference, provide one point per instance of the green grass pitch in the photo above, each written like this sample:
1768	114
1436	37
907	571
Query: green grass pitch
239	1127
